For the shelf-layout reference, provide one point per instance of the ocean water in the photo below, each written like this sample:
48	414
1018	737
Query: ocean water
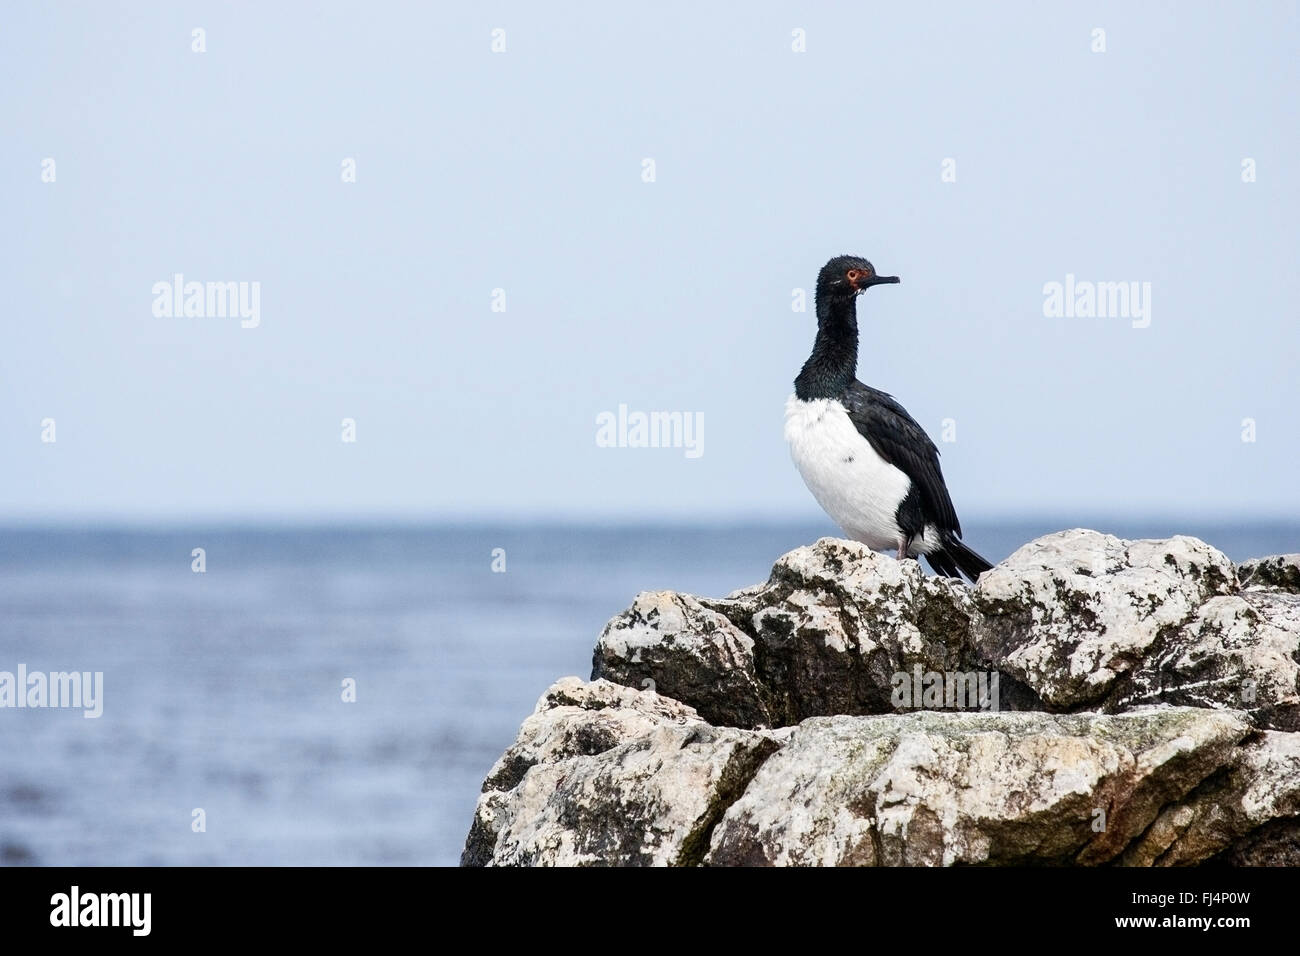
223	690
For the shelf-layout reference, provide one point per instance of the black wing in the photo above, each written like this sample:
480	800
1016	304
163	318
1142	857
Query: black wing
903	443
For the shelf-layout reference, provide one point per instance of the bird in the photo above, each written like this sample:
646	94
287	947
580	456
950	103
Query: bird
868	463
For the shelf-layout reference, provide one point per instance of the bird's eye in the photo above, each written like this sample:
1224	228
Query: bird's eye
853	275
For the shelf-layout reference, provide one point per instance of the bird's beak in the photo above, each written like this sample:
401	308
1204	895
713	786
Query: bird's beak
880	280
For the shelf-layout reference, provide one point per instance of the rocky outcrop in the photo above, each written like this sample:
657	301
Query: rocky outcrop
602	774
1090	701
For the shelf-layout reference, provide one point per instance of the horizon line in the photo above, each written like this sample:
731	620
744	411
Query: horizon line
135	521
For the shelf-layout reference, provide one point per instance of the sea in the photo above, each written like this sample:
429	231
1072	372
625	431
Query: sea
329	696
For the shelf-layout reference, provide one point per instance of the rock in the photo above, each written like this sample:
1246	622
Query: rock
604	775
1073	621
1071	612
941	789
825	635
674	644
836	621
1238	651
1280	571
1147	685
1249	816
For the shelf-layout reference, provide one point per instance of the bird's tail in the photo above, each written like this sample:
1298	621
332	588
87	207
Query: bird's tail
955	559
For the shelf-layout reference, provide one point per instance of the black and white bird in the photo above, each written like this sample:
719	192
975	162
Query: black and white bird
866	461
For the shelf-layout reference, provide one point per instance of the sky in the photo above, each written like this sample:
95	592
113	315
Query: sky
477	230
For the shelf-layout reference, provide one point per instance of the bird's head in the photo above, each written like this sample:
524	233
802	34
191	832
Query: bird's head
846	276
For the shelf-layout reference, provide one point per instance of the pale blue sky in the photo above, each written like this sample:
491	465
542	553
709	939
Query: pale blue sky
522	170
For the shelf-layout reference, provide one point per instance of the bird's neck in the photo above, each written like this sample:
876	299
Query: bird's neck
834	359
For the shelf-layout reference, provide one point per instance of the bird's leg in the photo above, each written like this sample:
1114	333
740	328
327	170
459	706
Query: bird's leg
902	548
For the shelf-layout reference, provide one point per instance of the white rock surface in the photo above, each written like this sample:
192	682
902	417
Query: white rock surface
1071	612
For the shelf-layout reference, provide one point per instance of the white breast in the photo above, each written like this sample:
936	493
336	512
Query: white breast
856	487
